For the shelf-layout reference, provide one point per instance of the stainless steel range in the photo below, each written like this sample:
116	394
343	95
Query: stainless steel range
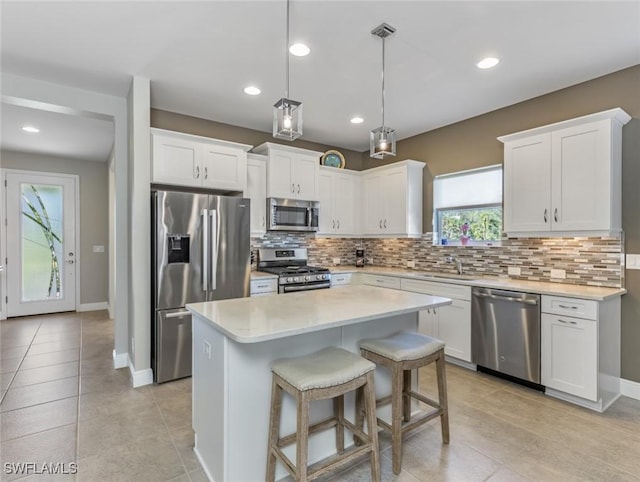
290	264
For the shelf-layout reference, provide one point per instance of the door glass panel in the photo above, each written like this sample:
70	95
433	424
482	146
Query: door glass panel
41	241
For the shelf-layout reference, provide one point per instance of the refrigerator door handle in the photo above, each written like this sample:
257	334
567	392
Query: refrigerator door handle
214	247
205	249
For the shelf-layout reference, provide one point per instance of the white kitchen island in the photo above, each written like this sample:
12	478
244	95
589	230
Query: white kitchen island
234	344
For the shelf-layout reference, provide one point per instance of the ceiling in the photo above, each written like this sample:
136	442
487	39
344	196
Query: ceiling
200	55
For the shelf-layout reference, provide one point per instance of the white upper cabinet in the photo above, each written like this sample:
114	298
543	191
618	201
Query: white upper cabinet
257	192
186	160
565	177
292	172
392	200
339	198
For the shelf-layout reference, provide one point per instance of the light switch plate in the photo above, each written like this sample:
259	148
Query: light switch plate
633	261
558	273
98	249
336	261
206	348
411	264
514	270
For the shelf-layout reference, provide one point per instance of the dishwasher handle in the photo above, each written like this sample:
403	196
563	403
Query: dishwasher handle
507	298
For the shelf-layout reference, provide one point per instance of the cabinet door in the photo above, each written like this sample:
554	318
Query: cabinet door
224	167
569	355
326	221
581	177
428	323
373	203
345	199
394	220
176	161
279	180
454	328
304	176
257	192
527	184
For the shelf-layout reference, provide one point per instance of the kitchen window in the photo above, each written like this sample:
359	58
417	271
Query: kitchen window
468	207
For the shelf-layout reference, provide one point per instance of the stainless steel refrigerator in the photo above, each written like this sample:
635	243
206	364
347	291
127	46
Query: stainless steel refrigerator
200	252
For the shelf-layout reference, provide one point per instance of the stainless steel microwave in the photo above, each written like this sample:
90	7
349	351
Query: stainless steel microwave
292	214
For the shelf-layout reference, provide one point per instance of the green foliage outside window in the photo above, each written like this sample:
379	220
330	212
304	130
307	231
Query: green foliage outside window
485	223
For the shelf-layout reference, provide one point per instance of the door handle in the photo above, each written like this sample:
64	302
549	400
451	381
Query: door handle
567	322
263	221
197	172
298	188
70	261
205	249
545	215
213	214
178	314
338	224
1	268
206	172
385	224
380	224
333	224
293	188
506	298
555	215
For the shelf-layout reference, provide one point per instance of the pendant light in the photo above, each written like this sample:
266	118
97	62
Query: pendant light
287	113
382	141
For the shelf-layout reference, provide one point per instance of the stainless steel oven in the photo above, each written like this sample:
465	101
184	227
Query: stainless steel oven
292	214
294	274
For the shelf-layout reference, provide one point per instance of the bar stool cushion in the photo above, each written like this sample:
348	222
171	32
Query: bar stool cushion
404	345
326	368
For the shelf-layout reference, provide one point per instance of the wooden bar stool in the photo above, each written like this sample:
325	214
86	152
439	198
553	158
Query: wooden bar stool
329	373
401	353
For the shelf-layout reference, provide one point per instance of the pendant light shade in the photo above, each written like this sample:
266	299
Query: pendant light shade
382	141
287	113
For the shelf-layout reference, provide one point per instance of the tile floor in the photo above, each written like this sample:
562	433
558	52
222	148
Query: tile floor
62	401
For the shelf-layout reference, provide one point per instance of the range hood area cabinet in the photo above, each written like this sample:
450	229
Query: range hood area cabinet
565	178
392	200
292	173
187	160
257	192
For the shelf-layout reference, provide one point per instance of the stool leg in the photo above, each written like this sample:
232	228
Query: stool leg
396	417
338	412
359	414
406	398
274	429
442	397
369	393
302	447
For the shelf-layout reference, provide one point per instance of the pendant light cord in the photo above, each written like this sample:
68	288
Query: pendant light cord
286	50
383	40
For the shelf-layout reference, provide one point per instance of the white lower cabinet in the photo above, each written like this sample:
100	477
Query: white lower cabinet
382	281
580	350
569	354
340	279
451	323
262	286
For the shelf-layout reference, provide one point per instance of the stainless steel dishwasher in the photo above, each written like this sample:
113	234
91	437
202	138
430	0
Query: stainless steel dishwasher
505	332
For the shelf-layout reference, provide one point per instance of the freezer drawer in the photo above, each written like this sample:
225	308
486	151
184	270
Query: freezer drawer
173	345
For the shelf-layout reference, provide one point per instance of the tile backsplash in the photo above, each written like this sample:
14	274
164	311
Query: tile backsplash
592	261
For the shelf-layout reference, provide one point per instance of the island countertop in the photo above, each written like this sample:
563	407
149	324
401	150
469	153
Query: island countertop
257	319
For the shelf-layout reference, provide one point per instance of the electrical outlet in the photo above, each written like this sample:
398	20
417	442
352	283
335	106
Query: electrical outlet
411	264
558	273
514	270
336	261
633	261
133	346
98	249
206	349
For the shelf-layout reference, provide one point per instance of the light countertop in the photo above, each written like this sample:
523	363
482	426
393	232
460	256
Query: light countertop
597	293
263	275
262	318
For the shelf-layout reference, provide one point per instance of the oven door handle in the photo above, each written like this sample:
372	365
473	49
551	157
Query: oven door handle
507	298
291	289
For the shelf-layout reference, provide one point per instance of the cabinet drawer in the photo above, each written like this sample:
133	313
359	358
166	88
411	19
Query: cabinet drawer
458	292
263	286
570	307
340	279
383	281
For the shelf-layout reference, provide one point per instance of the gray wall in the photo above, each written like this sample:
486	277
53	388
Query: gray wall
472	143
94	215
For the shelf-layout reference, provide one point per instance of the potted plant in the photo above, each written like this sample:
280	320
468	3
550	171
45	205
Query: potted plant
464	238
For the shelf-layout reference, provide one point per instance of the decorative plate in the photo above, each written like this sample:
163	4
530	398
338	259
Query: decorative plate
333	159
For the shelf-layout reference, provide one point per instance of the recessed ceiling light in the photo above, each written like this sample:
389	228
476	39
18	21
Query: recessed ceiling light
251	90
299	50
30	129
357	120
488	63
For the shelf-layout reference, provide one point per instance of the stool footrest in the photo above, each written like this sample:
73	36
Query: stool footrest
424	399
317	427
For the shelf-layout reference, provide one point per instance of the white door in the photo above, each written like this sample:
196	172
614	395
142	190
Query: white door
41	243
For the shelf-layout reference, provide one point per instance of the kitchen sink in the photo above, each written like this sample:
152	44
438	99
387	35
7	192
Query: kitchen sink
431	275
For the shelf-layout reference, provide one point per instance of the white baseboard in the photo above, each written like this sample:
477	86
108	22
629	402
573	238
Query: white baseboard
630	389
120	360
102	305
140	377
112	314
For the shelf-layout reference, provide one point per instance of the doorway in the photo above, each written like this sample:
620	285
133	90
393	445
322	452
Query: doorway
42	230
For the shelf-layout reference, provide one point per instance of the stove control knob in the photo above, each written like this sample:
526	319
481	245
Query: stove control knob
295	280
307	278
289	280
319	276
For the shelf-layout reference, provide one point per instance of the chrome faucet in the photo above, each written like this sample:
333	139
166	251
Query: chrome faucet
454	259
